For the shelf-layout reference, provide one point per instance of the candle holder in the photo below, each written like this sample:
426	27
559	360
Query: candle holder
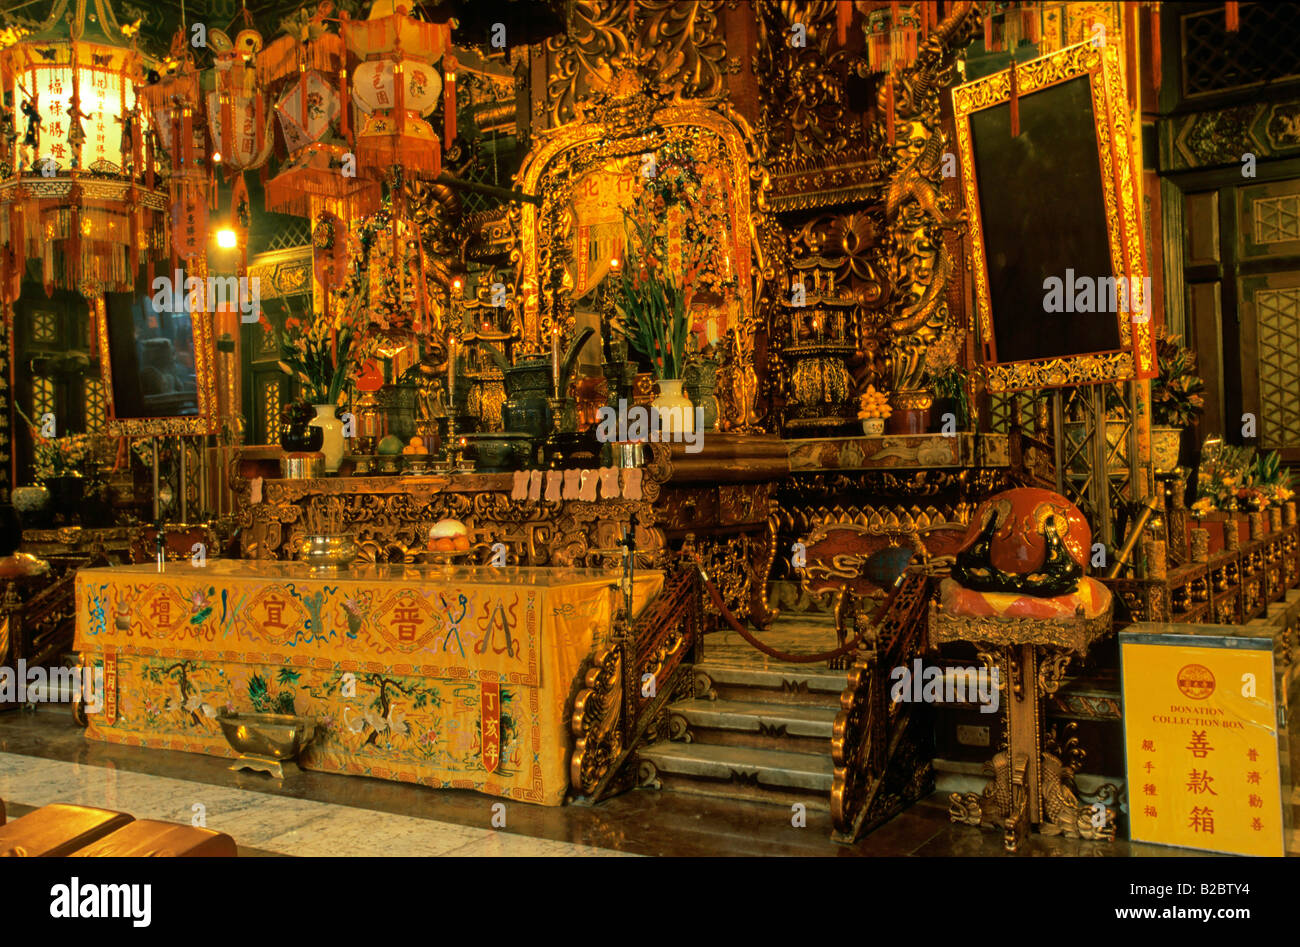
557	428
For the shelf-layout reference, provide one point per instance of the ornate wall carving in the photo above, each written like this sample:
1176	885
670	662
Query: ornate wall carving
678	43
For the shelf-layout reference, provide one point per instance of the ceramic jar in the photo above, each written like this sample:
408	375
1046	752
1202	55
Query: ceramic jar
676	413
332	445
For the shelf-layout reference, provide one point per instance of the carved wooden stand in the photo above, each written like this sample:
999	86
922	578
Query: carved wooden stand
1030	785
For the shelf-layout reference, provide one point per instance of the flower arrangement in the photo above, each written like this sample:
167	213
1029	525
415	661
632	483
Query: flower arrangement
322	354
1177	394
652	305
1240	478
60	456
56	456
651	301
873	404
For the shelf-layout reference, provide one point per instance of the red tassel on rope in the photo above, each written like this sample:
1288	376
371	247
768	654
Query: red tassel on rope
843	16
889	111
227	144
1015	103
449	100
399	96
1232	16
345	101
1156	67
185	147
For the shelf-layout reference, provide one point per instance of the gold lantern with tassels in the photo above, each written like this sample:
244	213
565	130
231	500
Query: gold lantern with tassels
320	170
77	179
173	101
396	84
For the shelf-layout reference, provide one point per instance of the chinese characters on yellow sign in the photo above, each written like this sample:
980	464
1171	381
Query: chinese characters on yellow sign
1201	737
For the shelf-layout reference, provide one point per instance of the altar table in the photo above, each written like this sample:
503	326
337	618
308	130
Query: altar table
450	677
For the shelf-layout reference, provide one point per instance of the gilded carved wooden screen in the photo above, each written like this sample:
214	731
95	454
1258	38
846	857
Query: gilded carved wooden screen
589	173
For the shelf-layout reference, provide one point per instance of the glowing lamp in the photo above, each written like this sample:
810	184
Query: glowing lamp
227	239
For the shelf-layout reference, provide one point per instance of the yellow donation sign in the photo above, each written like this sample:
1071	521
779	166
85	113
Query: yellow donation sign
1201	737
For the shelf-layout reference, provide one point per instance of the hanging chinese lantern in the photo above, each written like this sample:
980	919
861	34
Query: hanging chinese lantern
79	194
383	141
173	102
236	106
317	170
396	85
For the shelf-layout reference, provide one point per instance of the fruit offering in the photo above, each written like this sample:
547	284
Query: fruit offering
873	404
449	536
416	446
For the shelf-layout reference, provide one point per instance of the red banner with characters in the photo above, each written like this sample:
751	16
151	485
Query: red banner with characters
490	724
189	223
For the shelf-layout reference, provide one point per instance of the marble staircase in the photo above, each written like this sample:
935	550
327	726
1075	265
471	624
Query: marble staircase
756	729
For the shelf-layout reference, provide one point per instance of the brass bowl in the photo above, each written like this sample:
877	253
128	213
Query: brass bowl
328	552
416	465
302	466
267	742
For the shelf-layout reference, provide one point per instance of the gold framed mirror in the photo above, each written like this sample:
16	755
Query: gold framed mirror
156	352
1062	295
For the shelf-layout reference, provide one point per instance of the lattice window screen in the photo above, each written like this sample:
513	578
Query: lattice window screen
296	234
271	405
1001	411
1277	219
45	327
43	399
1265	49
1278	313
96	410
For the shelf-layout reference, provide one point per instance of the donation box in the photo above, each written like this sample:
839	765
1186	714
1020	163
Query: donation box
1205	737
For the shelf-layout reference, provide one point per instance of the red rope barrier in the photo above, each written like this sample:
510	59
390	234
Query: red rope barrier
848	648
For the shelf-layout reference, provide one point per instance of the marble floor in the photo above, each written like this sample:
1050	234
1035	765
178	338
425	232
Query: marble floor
44	758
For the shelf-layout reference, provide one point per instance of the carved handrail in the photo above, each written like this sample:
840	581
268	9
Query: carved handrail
868	731
626	684
42	627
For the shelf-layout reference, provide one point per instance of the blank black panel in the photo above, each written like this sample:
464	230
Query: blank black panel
1042	212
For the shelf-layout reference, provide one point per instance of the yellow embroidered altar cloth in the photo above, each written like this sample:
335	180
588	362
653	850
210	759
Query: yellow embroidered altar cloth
450	677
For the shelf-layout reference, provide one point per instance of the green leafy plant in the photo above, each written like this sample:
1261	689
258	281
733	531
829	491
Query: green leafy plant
951	384
652	305
1178	392
656	285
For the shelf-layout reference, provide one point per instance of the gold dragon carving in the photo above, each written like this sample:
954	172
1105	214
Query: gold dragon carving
917	213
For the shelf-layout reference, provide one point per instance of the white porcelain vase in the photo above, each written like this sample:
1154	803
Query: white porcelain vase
332	447
676	412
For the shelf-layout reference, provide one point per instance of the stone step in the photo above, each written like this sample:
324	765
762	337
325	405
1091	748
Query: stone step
802	728
787	684
731	772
